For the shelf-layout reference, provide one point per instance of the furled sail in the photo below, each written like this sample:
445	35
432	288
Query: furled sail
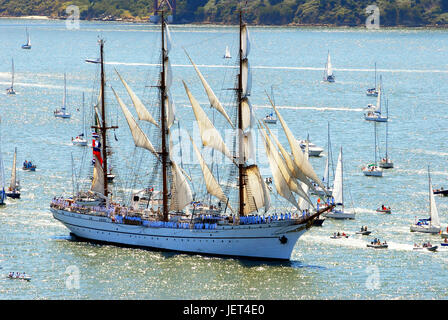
98	177
140	138
211	183
181	195
255	196
214	102
338	193
246	77
167	39
171	111
209	135
142	112
303	164
248	117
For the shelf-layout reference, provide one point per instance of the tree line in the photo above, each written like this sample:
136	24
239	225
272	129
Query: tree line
410	13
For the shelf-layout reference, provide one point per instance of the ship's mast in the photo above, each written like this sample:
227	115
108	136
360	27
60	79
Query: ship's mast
103	126
240	126
164	153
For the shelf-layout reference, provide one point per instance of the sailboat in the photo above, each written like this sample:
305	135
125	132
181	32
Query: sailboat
373	113
431	224
338	194
28	41
14	187
239	231
10	90
227	54
326	175
62	113
386	162
373	169
270	118
328	73
81	140
372	92
2	179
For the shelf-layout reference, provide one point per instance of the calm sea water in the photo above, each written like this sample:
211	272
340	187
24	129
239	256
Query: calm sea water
290	60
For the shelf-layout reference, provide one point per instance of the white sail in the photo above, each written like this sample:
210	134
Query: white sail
227	54
247	114
140	138
299	159
64	98
214	102
433	207
181	195
12	75
13	183
98	177
325	178
245	42
329	65
338	188
255	196
378	99
28	42
246	78
167	40
209	135
211	183
171	110
142	112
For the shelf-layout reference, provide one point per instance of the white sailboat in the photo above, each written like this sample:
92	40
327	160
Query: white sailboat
431	225
372	169
10	90
14	187
28	41
373	92
386	162
374	113
62	113
326	175
170	226
338	194
328	73
270	118
227	54
2	179
81	139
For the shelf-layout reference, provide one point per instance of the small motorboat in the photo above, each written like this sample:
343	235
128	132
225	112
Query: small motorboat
28	166
364	233
444	244
339	235
270	119
383	209
441	191
79	140
93	60
376	243
378	246
372	92
313	150
19	276
428	246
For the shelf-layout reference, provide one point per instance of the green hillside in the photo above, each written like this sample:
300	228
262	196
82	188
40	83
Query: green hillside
265	12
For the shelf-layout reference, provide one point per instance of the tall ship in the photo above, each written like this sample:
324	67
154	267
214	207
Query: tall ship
241	224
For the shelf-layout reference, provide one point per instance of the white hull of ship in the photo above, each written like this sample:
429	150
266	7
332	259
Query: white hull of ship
260	241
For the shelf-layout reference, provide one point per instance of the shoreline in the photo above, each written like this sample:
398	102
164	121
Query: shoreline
222	24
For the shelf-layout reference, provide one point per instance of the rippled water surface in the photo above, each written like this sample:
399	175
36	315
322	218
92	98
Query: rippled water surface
413	67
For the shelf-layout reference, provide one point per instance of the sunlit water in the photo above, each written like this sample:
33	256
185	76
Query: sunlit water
414	71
